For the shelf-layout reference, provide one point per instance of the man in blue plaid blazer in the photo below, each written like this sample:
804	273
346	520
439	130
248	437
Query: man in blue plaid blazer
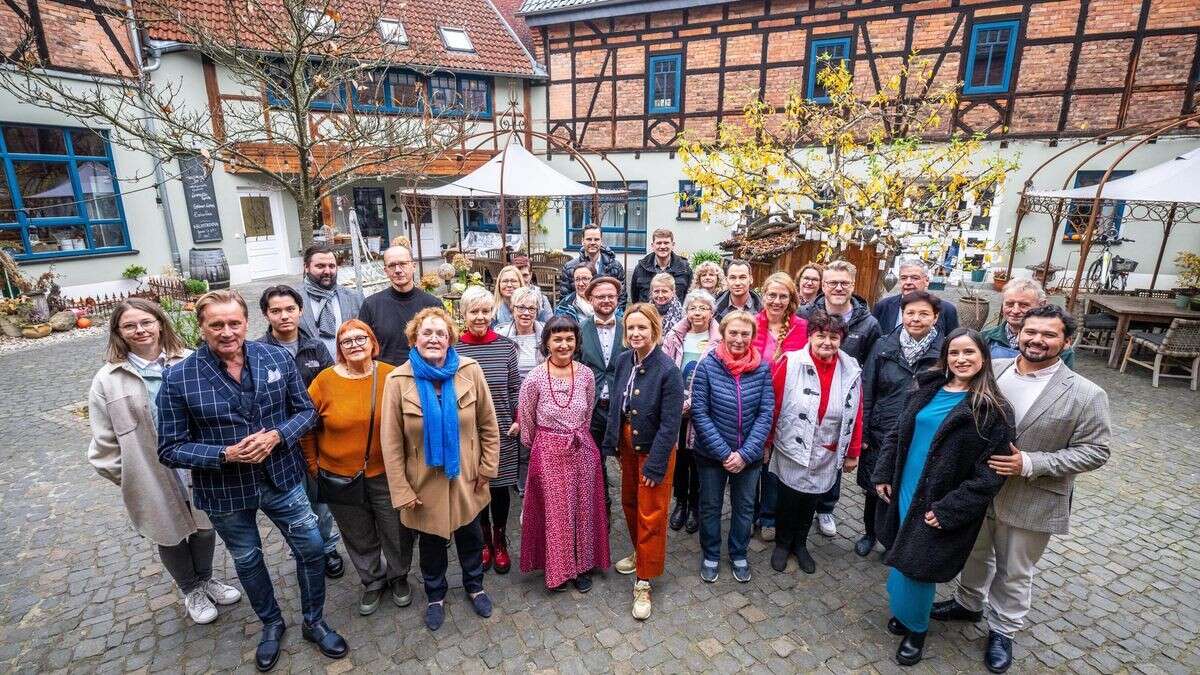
233	413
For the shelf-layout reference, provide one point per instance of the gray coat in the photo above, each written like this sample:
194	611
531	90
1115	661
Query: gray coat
1066	432
124	449
350	301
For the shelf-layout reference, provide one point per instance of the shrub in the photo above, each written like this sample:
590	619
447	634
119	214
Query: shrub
183	321
705	255
133	272
195	286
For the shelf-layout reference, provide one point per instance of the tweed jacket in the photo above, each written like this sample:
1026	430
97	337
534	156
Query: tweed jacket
446	504
1065	432
200	413
124	450
349	303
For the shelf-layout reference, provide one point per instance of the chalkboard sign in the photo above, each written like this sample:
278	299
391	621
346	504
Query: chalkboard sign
201	199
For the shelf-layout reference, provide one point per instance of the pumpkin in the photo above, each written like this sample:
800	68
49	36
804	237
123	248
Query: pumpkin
83	322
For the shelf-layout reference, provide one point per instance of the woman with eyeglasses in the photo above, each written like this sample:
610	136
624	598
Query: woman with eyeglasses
575	303
124	449
808	282
441	448
526	332
348	398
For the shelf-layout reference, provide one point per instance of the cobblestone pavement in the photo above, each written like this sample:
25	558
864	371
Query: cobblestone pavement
80	591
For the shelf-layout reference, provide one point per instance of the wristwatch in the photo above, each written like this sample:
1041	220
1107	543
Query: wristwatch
221	456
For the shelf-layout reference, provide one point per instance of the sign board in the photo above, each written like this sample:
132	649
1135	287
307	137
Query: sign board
201	199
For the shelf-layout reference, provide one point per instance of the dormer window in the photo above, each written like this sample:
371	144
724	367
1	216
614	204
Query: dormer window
392	32
319	22
456	39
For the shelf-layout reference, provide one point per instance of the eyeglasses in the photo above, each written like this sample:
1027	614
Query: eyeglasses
398	265
524	309
778	296
133	327
356	341
839	284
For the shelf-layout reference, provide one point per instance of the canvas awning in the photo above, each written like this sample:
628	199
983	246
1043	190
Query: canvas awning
1173	181
523	176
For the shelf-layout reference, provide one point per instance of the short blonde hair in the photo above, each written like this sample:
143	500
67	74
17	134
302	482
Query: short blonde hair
526	292
507	269
784	279
664	279
475	296
738	315
662	233
709	266
647	310
414	324
842	266
222	297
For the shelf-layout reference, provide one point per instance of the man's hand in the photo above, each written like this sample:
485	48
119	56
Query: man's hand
734	462
931	520
259	446
884	491
1008	465
849	465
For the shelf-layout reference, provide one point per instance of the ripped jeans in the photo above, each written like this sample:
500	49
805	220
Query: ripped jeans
290	512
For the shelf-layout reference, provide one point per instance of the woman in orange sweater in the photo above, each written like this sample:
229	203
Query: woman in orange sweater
346	441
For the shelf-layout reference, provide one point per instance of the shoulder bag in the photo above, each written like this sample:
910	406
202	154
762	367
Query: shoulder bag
349	490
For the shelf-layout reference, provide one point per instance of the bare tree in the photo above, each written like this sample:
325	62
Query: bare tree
296	66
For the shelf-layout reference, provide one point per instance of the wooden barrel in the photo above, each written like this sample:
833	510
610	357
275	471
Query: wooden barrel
210	265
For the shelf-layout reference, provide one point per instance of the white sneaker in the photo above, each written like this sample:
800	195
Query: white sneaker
221	592
641	600
628	564
827	524
199	607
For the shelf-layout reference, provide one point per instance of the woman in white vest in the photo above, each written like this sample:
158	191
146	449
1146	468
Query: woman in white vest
818	432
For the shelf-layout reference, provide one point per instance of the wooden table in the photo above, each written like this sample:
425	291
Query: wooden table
1129	308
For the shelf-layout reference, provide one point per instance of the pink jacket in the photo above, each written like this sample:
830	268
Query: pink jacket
796	338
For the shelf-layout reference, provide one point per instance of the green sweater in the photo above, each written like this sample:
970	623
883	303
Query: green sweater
996	336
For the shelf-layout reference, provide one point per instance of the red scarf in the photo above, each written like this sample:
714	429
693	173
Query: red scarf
737	365
469	338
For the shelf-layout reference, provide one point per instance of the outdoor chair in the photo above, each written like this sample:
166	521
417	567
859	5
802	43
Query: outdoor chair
1181	341
546	278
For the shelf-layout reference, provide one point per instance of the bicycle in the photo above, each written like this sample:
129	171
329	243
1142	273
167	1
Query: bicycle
1110	272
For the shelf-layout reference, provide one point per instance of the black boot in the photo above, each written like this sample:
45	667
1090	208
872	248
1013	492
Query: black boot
807	564
693	521
950	610
678	516
911	649
864	545
895	627
779	558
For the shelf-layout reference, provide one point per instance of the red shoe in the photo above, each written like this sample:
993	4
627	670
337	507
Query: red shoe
487	549
503	561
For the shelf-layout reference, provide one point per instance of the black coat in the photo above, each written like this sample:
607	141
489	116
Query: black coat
644	271
655	409
956	484
862	330
888	381
311	355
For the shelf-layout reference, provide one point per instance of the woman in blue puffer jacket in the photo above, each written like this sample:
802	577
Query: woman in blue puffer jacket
732	407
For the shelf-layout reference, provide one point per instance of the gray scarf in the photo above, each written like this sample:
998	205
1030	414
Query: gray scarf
325	320
913	349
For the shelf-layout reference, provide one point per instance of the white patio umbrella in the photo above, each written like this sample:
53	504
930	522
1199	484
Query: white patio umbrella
514	172
1173	181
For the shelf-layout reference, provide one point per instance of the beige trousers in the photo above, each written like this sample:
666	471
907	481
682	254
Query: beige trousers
1000	572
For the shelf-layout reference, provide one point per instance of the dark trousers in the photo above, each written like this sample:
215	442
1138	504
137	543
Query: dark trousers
374	534
713	478
468	539
190	561
686	482
596	428
766	500
290	512
496	513
871	502
830	499
796	511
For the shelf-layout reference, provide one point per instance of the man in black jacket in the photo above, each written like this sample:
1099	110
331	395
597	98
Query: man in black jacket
602	258
739	296
389	311
662	259
282	306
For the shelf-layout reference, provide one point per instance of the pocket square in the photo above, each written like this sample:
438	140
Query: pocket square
273	376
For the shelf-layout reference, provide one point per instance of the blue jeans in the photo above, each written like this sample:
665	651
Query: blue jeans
742	485
324	515
767	497
291	513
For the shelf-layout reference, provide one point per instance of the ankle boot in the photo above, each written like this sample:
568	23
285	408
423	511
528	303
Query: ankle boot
488	553
911	649
502	561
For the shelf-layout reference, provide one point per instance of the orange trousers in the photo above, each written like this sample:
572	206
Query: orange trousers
645	507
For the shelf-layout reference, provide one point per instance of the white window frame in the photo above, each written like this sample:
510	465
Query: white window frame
392	31
319	22
444	31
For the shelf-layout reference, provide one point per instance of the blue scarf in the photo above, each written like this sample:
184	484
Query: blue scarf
440	423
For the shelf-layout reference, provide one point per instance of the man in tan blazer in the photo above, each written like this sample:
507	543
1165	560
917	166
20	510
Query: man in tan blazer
1062	423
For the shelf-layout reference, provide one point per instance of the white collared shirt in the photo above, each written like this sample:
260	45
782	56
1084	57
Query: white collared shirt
608	337
1021	391
138	362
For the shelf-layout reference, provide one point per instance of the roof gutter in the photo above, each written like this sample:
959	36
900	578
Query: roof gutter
610	8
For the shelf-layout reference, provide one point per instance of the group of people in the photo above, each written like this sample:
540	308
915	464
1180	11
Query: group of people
385	417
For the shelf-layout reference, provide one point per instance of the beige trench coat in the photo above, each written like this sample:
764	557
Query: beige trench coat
446	505
124	449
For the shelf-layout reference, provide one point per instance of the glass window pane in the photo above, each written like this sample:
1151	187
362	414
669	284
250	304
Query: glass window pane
106	235
46	189
35	140
443	93
406	91
88	142
369	89
475	96
99	197
57	238
457	39
256	217
8	212
10	240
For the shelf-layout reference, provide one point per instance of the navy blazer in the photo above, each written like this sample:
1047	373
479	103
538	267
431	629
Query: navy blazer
200	414
655	409
887	310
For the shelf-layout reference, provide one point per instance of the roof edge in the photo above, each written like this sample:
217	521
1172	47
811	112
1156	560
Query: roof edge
538	70
609	8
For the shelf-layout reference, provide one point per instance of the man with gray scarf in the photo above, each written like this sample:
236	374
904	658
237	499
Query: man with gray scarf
326	304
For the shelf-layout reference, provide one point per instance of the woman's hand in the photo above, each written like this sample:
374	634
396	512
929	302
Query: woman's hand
481	483
884	491
514	430
734	463
849	465
408	506
646	482
931	520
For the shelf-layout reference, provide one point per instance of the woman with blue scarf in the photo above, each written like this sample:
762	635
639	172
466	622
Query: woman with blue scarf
441	447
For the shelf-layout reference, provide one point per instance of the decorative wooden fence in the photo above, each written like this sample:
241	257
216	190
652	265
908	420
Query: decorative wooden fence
155	288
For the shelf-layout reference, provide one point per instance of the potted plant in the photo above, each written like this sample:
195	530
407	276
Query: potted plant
973	308
1000	269
1188	293
977	271
195	287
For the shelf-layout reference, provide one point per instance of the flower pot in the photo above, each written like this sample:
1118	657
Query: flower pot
972	311
937	284
35	331
999	278
978	275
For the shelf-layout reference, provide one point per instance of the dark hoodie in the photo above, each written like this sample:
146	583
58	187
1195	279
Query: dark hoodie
862	330
643	274
311	355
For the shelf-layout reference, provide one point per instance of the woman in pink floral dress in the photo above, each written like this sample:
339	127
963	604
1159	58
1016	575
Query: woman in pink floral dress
564	530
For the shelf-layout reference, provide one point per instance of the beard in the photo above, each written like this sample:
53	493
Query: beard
323	280
1045	356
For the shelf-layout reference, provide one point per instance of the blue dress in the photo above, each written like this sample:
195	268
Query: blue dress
912	600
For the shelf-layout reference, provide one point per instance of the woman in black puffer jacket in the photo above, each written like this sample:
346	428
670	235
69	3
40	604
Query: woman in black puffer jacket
934	476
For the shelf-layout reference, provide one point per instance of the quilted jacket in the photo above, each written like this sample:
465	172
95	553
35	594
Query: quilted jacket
731	416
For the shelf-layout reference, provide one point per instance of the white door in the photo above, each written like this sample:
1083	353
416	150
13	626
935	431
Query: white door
266	236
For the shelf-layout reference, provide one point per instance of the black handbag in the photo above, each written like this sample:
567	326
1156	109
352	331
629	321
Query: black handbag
349	490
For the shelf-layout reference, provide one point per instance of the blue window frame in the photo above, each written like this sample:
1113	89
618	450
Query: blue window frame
990	57
59	195
1080	210
443	94
830	51
664	83
476	96
623	223
388	91
689	201
333	98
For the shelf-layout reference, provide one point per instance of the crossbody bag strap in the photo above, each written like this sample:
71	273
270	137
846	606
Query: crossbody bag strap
371	420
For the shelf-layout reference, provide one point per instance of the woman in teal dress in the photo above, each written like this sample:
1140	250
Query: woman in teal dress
934	476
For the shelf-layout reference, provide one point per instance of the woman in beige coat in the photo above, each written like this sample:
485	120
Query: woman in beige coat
124	449
441	447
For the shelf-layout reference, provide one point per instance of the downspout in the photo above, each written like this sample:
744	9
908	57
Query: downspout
160	178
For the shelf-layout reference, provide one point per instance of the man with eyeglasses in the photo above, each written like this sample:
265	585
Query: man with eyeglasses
282	307
389	311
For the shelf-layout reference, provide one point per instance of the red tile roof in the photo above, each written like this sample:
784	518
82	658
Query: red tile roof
509	9
496	49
